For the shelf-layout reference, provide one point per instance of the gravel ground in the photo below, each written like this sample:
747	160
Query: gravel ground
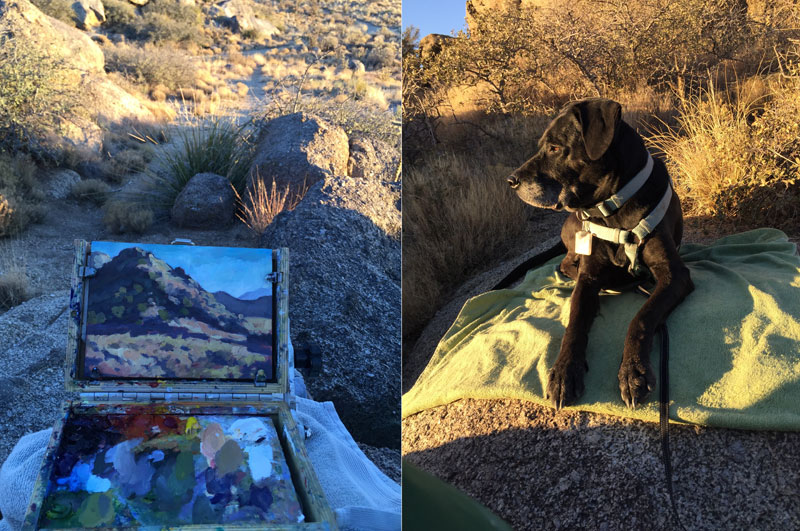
539	469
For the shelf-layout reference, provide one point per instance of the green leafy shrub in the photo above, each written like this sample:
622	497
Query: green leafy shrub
121	217
90	190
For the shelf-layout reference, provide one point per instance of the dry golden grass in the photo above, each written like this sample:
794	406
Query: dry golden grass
458	214
736	153
262	204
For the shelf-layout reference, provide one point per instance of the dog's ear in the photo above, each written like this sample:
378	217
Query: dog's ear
600	119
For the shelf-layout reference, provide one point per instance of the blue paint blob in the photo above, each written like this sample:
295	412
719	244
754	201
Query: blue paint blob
261	497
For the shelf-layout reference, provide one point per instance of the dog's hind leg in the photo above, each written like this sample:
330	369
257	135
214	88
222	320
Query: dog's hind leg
673	284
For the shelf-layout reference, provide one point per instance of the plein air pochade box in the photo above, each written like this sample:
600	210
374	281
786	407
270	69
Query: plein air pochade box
180	354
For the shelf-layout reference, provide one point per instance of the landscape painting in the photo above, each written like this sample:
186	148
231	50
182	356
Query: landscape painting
162	311
143	469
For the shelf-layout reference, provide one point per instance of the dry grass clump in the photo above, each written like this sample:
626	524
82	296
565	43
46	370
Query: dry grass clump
122	216
454	208
14	287
736	154
91	191
263	203
20	194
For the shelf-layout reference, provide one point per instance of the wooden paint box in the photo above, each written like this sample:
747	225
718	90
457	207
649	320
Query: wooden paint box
180	355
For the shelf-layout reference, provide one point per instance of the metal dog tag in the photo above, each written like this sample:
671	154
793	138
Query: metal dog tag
583	242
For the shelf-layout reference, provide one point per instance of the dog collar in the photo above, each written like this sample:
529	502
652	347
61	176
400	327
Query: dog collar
629	238
613	203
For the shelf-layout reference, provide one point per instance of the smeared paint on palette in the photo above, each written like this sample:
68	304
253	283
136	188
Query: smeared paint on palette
168	470
161	311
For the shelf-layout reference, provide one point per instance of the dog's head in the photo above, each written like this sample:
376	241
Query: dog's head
570	170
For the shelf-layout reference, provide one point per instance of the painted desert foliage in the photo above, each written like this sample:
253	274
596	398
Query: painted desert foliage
147	319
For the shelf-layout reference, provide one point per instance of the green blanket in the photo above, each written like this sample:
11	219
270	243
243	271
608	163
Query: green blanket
734	356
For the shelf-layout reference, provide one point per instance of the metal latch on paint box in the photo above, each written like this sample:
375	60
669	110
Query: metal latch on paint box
86	272
274	277
261	378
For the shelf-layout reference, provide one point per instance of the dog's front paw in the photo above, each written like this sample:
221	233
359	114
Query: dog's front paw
565	382
636	380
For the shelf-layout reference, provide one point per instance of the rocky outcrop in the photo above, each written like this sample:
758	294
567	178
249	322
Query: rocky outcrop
89	13
240	17
58	183
206	202
344	246
432	45
59	40
103	103
32	370
300	149
372	159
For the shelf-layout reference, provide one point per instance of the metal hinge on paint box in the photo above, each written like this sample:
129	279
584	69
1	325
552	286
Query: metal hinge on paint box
180	355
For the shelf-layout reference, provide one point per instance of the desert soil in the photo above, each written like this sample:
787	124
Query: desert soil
542	469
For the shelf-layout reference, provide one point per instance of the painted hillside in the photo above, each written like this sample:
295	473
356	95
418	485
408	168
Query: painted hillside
146	319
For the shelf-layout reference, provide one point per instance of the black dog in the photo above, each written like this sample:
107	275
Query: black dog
626	222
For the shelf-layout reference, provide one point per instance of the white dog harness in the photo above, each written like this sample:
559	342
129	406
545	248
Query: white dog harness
628	238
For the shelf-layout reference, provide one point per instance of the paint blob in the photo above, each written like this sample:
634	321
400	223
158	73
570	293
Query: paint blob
169	470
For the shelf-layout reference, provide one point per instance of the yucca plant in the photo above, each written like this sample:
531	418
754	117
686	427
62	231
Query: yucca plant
219	146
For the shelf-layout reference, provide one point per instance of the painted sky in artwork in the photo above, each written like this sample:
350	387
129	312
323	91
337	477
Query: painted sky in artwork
233	270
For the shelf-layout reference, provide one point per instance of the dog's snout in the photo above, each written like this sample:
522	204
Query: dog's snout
513	181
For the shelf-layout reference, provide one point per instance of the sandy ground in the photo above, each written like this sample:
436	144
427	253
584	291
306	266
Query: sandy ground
539	469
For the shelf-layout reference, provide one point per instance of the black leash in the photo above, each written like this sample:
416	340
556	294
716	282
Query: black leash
663	415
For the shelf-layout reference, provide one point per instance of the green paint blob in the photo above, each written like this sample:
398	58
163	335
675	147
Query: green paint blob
118	311
228	458
96	511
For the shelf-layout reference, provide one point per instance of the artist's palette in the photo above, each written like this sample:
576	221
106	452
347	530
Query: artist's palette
181	357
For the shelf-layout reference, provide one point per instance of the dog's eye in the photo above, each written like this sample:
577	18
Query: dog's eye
554	149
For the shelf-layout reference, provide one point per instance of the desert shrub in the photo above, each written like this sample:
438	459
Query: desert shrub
121	217
219	146
157	21
18	176
120	15
35	89
738	158
382	56
14	287
150	65
58	9
19	194
126	162
90	190
171	21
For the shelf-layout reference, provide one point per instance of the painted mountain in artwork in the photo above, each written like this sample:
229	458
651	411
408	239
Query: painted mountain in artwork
146	319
